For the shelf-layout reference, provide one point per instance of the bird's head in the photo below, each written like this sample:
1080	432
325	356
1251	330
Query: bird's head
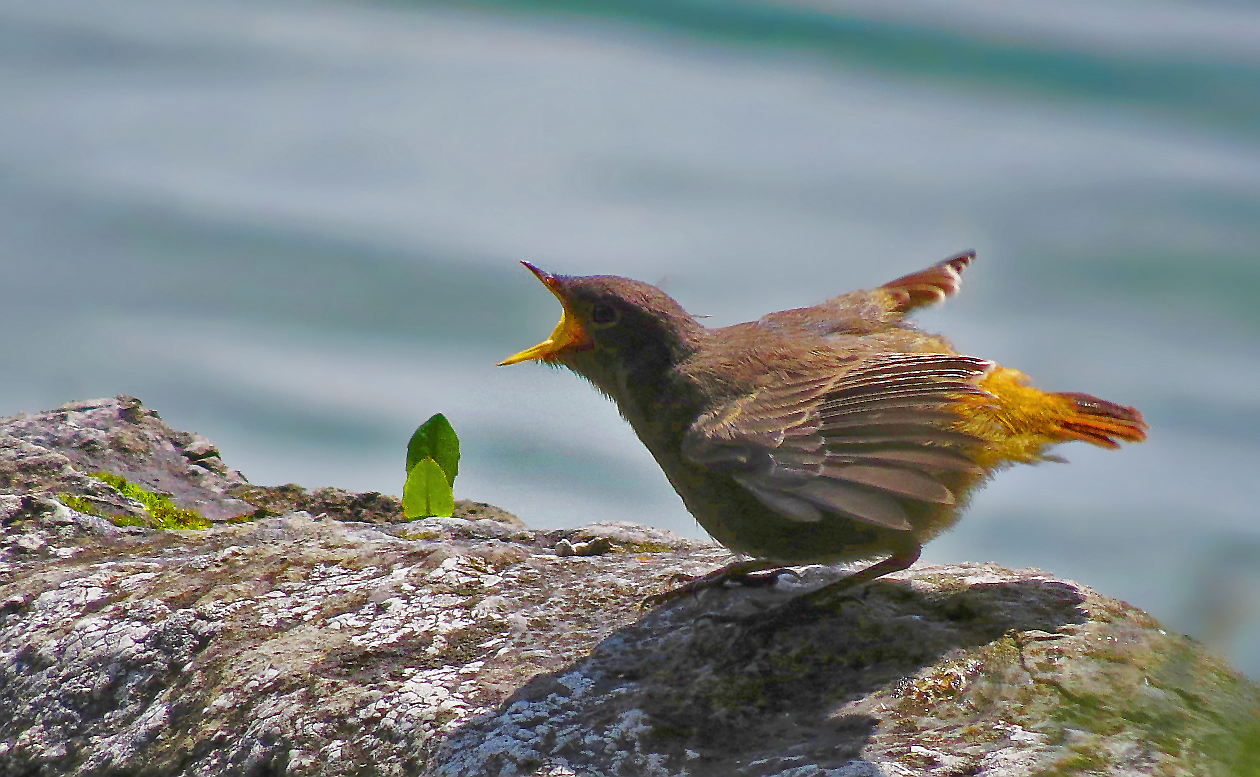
611	328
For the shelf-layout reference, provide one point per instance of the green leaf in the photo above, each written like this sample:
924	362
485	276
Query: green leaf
427	491
435	439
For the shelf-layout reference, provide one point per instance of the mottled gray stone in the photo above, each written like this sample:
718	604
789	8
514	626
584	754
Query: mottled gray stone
345	643
56	451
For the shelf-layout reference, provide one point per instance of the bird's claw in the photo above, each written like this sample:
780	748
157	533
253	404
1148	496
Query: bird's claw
744	574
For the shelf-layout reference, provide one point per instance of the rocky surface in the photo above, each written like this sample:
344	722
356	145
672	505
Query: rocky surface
55	451
315	633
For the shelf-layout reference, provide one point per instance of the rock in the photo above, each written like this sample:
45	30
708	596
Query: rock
370	506
300	645
56	450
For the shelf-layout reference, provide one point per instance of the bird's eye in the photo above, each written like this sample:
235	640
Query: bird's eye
604	314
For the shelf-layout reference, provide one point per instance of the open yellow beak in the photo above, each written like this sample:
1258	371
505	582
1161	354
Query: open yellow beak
568	333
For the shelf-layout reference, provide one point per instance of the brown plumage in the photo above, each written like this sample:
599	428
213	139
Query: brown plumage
817	435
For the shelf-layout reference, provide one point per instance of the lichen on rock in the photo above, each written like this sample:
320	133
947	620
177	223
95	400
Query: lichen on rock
317	633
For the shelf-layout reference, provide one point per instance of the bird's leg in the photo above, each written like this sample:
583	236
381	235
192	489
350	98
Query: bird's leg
899	560
737	571
810	606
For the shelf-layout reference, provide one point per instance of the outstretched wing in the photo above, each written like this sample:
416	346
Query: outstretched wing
857	442
927	287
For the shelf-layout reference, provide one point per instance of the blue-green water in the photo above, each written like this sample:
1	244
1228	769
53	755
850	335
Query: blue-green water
294	228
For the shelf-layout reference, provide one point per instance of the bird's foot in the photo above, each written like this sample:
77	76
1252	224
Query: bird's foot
750	573
812	605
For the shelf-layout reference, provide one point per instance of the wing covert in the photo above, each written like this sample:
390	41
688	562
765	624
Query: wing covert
862	442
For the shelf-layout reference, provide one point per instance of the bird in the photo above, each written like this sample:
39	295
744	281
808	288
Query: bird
830	434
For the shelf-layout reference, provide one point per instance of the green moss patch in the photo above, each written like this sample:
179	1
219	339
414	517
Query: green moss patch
78	503
166	514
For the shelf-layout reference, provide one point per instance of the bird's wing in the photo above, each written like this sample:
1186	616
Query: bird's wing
927	287
857	442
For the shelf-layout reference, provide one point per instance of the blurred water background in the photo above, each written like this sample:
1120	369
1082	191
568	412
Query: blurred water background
294	228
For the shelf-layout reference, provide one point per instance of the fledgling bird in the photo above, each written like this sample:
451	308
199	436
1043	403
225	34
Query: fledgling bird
825	434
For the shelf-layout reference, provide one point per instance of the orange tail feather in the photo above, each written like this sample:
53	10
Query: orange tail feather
1018	421
1101	422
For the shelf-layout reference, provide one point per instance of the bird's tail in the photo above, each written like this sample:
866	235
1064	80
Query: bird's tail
1019	421
1103	423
